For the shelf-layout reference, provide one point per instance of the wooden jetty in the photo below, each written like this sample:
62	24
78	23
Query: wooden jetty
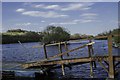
110	60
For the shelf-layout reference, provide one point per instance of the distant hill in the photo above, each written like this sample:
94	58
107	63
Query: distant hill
13	36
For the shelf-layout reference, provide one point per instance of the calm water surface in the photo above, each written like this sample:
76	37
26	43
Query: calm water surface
14	54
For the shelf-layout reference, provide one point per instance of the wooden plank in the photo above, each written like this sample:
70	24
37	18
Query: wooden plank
45	52
66	48
91	70
66	61
103	66
63	71
60	50
59	54
110	56
47	45
89	54
117	58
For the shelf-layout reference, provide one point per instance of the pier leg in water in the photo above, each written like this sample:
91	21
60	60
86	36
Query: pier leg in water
60	50
63	71
91	70
93	63
45	52
91	66
110	56
91	53
66	48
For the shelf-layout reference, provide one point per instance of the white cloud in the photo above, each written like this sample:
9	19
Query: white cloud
72	7
86	21
42	6
42	21
73	22
68	7
78	6
88	14
63	23
39	6
52	7
49	14
23	24
20	10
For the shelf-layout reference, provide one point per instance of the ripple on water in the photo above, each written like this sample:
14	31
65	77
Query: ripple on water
14	52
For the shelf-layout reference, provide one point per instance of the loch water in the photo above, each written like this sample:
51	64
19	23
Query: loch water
15	54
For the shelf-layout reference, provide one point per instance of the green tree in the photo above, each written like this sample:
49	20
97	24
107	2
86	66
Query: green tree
75	36
54	34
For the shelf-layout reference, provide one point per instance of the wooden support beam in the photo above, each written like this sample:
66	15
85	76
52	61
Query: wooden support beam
89	51
60	49
52	57
91	67
103	66
106	63
110	56
66	48
91	70
60	54
93	63
63	71
117	64
45	52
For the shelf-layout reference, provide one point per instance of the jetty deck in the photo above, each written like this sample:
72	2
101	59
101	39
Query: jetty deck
110	60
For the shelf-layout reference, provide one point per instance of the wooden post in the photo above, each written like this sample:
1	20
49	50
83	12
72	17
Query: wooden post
110	56
63	71
60	50
89	51
93	63
89	54
45	52
66	48
91	70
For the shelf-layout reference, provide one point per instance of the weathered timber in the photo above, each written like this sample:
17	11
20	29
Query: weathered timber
90	54
45	52
91	70
108	59
48	45
66	48
103	66
60	51
63	71
59	54
110	56
66	61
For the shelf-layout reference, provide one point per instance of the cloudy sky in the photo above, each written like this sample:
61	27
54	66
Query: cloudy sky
77	17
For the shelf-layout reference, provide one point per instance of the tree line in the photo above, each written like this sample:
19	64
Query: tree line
113	32
51	34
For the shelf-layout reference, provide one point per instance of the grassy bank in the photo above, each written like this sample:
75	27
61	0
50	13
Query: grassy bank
14	37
